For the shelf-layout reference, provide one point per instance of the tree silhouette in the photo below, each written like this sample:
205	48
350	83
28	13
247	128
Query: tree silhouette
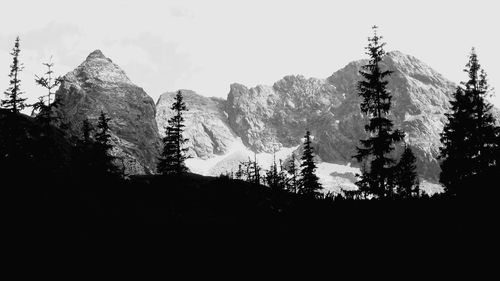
45	103
255	170
15	147
240	172
406	177
104	161
470	138
85	153
376	103
87	129
293	182
14	101
174	155
249	171
49	82
309	182
275	177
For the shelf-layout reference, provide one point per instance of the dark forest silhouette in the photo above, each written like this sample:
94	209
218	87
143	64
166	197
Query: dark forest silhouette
78	178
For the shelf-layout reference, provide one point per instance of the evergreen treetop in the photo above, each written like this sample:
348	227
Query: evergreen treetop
470	138
376	104
48	81
309	180
407	181
14	101
293	182
275	177
104	160
87	131
46	103
173	156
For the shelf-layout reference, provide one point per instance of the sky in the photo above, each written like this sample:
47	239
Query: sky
207	45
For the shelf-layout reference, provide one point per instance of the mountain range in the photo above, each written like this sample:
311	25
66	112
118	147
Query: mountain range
266	121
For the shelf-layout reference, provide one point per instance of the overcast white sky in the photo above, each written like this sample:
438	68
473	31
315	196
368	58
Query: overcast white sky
207	45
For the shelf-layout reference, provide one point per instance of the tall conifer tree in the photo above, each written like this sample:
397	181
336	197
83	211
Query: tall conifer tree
14	101
470	138
173	156
376	103
104	160
45	103
275	177
87	131
309	181
406	177
293	182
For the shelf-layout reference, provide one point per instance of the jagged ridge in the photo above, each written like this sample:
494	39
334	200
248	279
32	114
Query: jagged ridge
268	118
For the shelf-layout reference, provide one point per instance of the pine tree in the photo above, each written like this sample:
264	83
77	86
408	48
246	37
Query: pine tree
376	103
275	177
85	153
87	131
14	101
282	176
309	182
246	171
45	103
239	173
293	182
172	160
254	173
104	161
249	171
49	82
272	175
406	177
470	138
455	154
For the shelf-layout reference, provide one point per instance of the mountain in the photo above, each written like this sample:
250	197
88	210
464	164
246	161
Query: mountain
420	100
272	119
206	124
100	85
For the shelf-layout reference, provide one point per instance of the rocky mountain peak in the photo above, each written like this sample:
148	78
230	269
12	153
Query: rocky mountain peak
414	68
267	118
98	84
271	120
98	67
97	54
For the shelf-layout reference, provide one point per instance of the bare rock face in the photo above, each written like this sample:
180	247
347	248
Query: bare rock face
100	85
267	118
206	123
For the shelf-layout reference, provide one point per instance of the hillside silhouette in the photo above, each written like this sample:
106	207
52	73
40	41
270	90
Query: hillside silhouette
71	176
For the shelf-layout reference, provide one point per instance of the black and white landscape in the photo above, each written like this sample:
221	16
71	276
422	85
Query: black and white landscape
383	141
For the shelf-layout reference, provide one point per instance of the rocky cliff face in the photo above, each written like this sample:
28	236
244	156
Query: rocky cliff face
100	85
269	118
206	123
420	100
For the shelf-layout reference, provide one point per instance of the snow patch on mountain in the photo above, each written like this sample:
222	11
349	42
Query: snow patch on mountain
335	178
236	153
